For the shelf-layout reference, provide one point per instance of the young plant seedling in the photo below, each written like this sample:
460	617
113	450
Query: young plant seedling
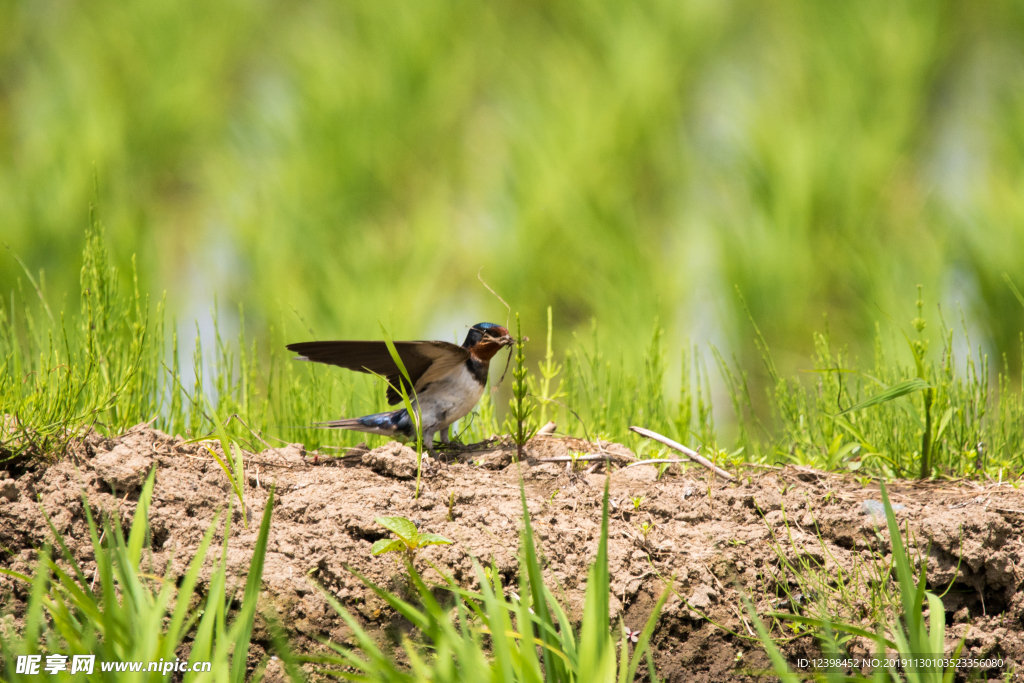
236	471
549	370
576	464
637	501
646	528
519	421
407	539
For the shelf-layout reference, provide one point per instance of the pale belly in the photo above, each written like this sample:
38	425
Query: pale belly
446	401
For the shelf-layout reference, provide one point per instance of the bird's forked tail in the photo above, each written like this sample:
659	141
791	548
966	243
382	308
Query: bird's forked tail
387	424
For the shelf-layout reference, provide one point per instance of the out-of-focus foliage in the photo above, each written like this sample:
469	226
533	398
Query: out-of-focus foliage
106	366
361	161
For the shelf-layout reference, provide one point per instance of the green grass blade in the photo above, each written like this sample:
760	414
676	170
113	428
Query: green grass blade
140	524
937	626
188	583
16	575
645	636
134	596
777	660
499	623
85	601
1013	288
566	634
418	619
34	615
896	391
104	568
68	557
242	627
908	591
279	640
845	627
202	645
596	649
553	668
529	666
367	645
650	668
234	467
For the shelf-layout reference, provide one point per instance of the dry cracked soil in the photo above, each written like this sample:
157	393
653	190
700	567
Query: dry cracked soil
713	540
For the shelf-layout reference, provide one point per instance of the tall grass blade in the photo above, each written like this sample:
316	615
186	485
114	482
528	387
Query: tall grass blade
535	582
188	582
140	524
896	391
644	642
242	627
202	644
596	648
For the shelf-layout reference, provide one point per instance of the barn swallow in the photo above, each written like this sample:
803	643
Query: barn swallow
448	380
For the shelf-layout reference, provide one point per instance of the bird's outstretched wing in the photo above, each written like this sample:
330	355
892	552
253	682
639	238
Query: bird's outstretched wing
425	361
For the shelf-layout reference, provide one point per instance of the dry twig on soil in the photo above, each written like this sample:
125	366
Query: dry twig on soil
691	454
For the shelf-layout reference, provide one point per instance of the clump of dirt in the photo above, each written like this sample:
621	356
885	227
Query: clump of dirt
715	538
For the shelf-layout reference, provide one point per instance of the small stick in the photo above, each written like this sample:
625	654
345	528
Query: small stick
583	458
691	454
654	461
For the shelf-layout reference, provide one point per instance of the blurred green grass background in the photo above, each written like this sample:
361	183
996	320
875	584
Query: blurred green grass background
333	164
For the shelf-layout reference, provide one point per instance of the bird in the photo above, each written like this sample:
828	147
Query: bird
447	380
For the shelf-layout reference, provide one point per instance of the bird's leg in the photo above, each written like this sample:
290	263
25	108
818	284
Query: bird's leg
428	442
446	435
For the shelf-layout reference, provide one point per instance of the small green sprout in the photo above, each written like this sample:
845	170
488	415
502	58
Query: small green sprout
549	370
520	421
637	501
553	494
646	528
576	463
408	540
234	468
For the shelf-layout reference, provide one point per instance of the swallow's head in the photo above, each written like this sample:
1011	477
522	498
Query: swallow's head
486	339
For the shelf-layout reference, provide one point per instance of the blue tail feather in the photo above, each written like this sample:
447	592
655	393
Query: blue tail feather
389	423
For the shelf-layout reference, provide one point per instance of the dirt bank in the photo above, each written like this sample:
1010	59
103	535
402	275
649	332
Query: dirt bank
712	539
